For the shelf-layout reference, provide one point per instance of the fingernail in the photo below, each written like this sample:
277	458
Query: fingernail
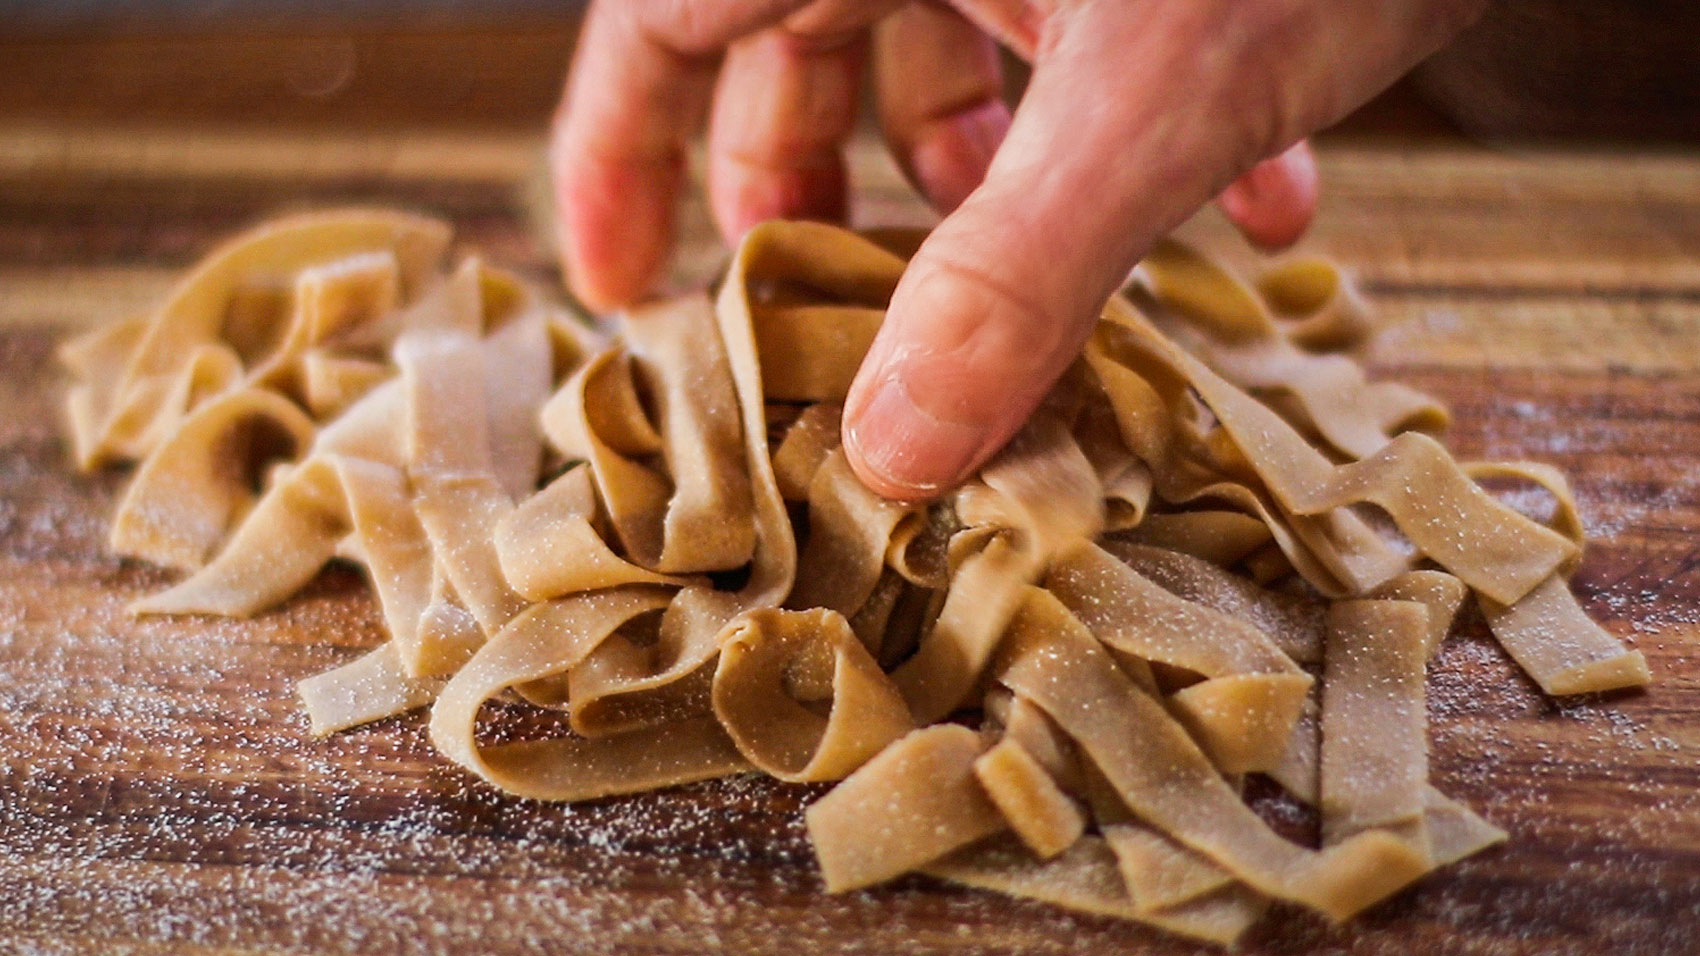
901	451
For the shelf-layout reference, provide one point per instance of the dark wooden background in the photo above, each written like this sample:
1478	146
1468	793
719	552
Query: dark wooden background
159	792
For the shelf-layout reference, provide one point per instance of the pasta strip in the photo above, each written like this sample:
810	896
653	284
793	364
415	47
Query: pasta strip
189	490
1374	759
1550	637
773	664
1086	878
546	640
1128	736
1244	711
1034	806
1294	624
915	802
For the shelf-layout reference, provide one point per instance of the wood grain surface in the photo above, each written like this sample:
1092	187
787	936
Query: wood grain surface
159	792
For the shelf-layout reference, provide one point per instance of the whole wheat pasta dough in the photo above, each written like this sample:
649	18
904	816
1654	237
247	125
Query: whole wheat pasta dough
1047	683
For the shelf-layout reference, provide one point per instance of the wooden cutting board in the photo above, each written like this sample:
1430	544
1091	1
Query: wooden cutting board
159	792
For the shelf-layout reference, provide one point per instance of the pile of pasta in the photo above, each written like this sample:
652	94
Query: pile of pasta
1217	550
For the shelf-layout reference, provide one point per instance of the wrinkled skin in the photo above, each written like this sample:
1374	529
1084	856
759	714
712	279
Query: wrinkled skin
1138	112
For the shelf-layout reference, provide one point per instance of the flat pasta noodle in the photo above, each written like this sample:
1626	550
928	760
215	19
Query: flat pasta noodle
1243	710
198	310
1087	878
1374	756
1297	625
1165	778
1034	805
1547	633
1236	335
1047	683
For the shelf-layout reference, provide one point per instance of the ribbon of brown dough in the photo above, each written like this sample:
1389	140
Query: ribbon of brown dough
1159	872
1087	877
910	805
687	373
332	383
548	546
806	443
1452	831
1041	487
836	263
370	687
626	684
1126	481
1221	538
1244	710
822	344
1555	642
1566	518
1045	818
199	481
1039	495
286	539
1295	624
850	530
623	686
985	591
326	299
517	380
194	312
457	494
1318	303
1336	552
209	370
774	664
1440	593
1163	777
1381	683
1448	518
96	361
1374	758
546	640
1236	335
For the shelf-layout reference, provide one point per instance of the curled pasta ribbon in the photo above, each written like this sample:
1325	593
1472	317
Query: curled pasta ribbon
774	664
1046	684
1234	332
233	298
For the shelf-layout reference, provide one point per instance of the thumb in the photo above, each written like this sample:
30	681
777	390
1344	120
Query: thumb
1102	157
1132	121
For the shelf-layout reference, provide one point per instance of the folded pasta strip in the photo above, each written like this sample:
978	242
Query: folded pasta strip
1047	684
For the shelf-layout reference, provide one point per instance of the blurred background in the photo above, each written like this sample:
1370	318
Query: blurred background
1618	70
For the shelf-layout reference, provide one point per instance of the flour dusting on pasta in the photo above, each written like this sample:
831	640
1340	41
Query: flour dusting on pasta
1217	549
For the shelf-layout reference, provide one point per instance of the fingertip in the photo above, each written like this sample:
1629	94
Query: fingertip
905	452
783	111
1273	204
952	154
742	194
878	481
958	366
615	221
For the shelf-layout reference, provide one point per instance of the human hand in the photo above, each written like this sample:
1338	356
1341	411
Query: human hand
1138	112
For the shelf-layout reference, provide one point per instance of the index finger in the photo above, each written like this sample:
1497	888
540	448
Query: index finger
638	91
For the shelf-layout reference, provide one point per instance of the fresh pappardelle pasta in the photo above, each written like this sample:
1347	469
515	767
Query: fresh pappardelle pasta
1217	549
